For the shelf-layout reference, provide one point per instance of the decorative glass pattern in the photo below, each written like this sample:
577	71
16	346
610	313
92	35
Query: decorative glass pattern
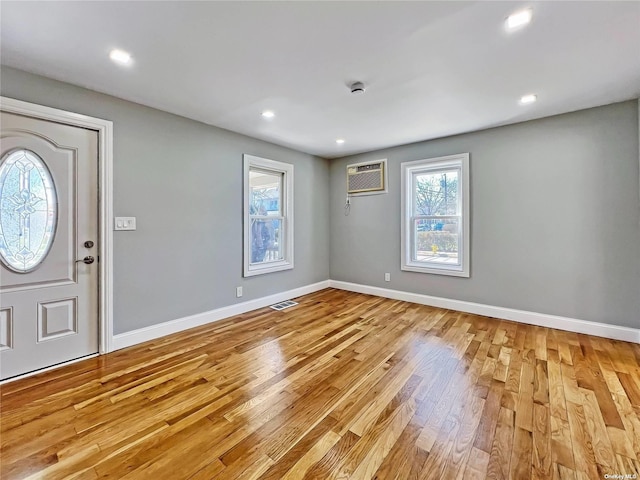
28	211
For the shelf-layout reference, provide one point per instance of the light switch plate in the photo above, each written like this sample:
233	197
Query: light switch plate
125	223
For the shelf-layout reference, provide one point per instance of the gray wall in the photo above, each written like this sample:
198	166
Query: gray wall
555	213
555	218
183	181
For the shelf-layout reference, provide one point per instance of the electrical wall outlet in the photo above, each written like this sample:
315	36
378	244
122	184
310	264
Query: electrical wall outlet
238	292
387	277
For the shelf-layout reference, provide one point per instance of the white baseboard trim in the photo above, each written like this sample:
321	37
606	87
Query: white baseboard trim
616	332
540	319
141	335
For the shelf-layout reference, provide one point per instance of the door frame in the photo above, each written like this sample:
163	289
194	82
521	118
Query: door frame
104	128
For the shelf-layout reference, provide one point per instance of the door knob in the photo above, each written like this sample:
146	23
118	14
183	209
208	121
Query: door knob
88	260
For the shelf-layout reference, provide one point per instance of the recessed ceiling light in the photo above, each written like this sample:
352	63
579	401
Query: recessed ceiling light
519	19
268	114
526	99
340	141
120	56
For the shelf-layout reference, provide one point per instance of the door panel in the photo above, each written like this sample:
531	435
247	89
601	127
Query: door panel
48	314
6	321
59	266
57	319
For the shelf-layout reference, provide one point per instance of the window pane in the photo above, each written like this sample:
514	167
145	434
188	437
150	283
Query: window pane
28	211
266	192
436	241
436	193
266	240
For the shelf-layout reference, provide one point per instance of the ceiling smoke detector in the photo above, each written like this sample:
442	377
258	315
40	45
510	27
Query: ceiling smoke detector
357	88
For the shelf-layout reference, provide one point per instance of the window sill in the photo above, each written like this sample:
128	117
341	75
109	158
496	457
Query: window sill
258	269
437	271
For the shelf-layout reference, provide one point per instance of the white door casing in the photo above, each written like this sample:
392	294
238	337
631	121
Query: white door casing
56	312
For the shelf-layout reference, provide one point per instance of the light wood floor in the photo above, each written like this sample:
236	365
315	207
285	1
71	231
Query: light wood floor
342	386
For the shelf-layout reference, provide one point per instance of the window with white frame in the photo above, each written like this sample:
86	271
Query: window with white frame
268	216
435	215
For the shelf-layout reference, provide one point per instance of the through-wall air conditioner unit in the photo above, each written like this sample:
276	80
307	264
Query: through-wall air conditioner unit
367	178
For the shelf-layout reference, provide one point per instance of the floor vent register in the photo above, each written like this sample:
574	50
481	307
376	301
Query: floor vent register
283	305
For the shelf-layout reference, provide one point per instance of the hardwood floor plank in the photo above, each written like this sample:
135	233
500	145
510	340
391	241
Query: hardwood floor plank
310	458
384	443
602	448
398	463
250	468
628	466
328	463
502	365
561	444
560	472
585	462
541	455
313	446
210	470
524	408
386	423
477	464
500	455
439	413
521	462
621	443
489	419
541	383
463	440
557	405
343	385
133	453
631	388
403	379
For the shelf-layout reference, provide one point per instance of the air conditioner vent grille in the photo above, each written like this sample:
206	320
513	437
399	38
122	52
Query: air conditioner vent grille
365	181
371	166
366	178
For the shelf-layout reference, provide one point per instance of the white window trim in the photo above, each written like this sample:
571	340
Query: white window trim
460	161
286	169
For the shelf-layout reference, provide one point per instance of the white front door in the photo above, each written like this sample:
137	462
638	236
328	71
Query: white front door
48	243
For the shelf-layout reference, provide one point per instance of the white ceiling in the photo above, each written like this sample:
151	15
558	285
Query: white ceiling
431	68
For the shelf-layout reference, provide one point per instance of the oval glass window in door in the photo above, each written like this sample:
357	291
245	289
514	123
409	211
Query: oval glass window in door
28	210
